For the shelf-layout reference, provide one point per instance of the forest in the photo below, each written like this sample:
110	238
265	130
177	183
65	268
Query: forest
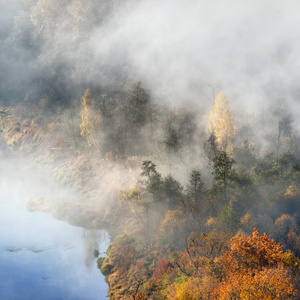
188	156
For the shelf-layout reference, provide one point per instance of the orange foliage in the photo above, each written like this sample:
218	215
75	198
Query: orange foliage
268	283
149	288
254	252
194	288
255	268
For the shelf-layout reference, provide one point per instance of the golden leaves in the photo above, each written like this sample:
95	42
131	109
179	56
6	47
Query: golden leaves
90	119
256	268
131	195
222	123
269	283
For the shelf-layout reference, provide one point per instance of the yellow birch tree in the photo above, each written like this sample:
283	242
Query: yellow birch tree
90	120
222	125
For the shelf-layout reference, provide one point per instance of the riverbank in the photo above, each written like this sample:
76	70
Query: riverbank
161	251
95	180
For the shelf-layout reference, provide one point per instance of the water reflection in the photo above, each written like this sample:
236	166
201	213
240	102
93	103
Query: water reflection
95	243
40	257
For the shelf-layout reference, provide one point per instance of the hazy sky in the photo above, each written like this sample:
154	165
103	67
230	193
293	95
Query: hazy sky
180	48
250	47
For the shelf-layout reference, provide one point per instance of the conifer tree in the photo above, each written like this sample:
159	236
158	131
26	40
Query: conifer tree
139	106
173	192
196	190
222	167
172	139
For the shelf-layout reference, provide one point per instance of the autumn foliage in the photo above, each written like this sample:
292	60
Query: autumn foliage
211	266
255	268
265	284
90	119
222	125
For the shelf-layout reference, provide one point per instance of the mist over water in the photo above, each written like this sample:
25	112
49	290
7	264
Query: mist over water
111	84
40	257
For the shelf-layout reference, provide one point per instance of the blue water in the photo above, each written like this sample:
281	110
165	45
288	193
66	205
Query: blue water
40	257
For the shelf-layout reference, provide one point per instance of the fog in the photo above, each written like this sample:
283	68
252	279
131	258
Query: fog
183	53
37	252
178	49
182	48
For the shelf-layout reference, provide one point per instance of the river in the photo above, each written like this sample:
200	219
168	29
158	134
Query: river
41	257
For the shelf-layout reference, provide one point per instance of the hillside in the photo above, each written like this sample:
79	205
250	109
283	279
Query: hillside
177	125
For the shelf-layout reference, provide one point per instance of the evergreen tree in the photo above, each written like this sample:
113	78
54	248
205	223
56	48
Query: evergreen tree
222	166
172	139
139	106
148	168
153	184
173	192
228	220
195	190
210	146
284	123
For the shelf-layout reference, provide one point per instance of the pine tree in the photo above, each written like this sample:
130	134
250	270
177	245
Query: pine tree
173	192
195	190
222	167
139	106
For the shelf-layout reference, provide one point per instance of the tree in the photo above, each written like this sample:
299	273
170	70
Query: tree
45	14
253	253
256	267
244	155
148	168
172	229
139	106
184	123
283	226
153	184
269	284
228	220
172	139
210	146
284	125
152	192
248	223
222	125
138	113
195	190
180	131
90	120
222	166
78	17
134	197
173	192
139	203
